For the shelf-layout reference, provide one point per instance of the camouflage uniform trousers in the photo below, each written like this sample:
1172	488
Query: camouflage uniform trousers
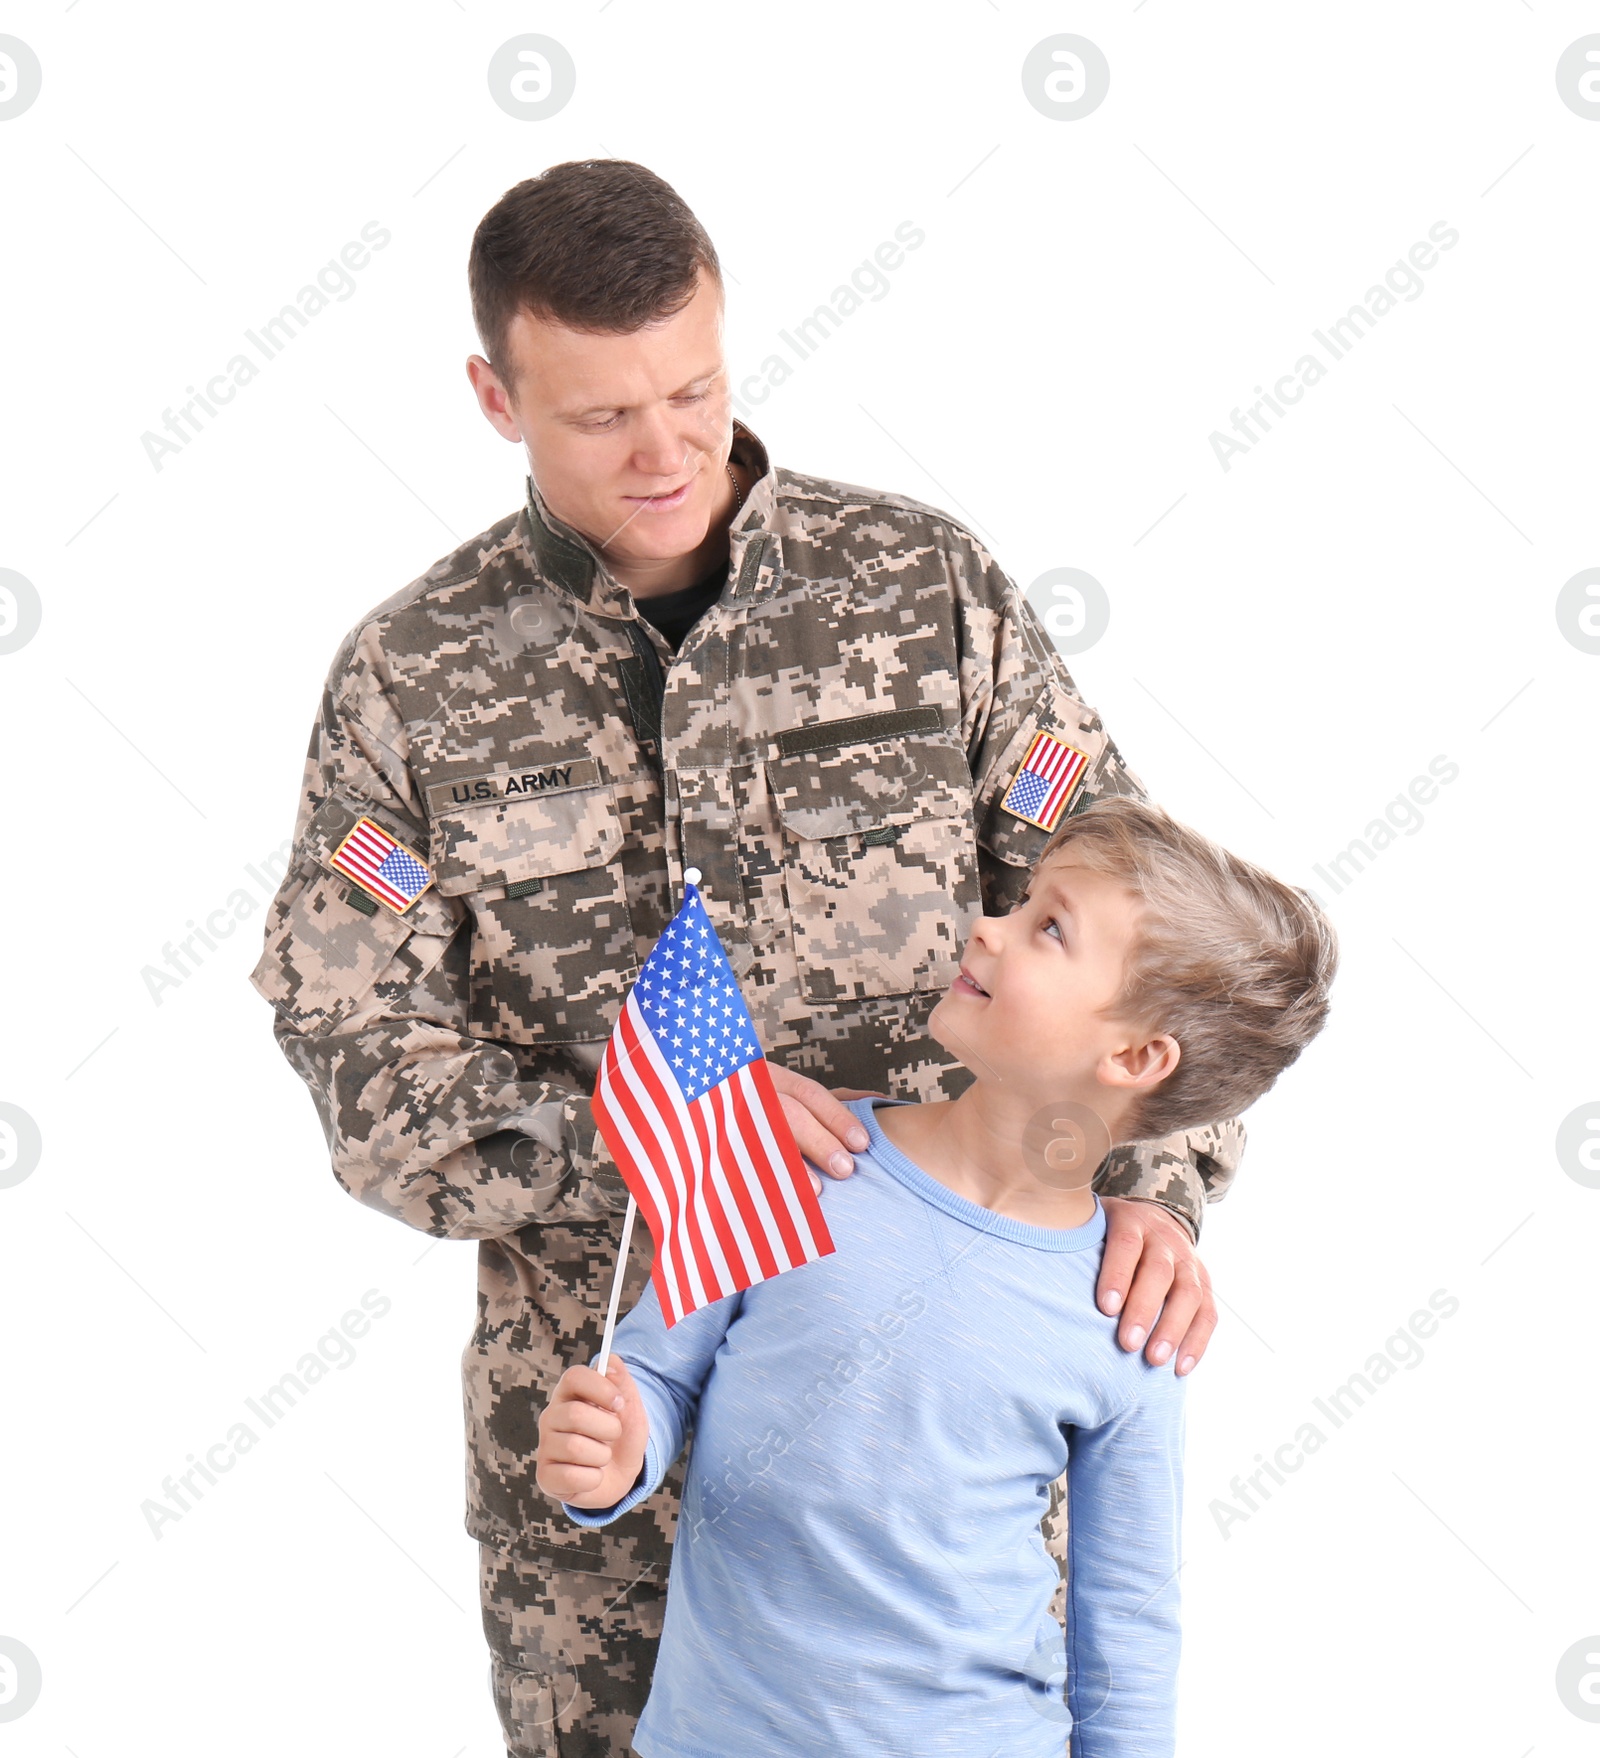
571	1654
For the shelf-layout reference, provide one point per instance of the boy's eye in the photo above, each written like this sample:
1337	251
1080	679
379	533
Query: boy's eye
1053	926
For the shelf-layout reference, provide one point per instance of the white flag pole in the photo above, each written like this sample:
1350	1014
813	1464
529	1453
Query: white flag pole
691	876
616	1284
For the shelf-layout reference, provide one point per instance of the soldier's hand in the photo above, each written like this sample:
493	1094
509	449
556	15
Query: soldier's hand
592	1436
823	1130
1150	1259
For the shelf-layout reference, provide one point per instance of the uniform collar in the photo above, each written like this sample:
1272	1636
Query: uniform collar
569	560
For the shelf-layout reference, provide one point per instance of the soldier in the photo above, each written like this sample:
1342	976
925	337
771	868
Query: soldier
829	699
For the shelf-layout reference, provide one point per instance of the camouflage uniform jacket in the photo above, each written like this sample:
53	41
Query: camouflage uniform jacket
829	747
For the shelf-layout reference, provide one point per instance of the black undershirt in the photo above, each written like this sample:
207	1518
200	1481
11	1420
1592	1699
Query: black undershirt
676	613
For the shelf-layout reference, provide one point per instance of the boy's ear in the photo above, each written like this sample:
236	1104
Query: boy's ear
1145	1064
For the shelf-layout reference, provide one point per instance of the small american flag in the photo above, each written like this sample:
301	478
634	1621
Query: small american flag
1044	782
686	1104
380	865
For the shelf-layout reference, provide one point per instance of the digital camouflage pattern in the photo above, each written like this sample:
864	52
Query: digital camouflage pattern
571	1654
829	747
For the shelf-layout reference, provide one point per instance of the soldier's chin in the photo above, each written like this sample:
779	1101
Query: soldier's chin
664	537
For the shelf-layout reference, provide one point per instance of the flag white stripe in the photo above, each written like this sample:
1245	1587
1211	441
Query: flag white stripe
368	852
791	1196
372	882
748	1166
366	836
753	1182
360	856
1062	786
690	1188
748	1254
643	1161
702	1208
657	1165
1048	758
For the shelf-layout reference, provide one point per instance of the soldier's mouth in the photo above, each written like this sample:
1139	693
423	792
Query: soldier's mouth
661	502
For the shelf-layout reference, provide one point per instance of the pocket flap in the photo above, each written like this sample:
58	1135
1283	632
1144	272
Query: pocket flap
863	787
503	841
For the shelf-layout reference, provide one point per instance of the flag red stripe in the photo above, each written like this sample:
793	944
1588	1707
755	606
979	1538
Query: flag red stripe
367	850
1038	757
716	1213
697	1208
798	1179
648	1100
608	1120
696	1262
720	1180
360	855
740	1208
769	1174
755	1223
647	1095
374	883
1063	787
667	1160
621	1136
369	838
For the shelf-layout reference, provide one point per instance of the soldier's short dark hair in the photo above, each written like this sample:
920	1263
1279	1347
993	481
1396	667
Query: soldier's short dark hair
1230	961
602	245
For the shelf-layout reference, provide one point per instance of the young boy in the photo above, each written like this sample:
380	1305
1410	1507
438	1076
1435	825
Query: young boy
858	1566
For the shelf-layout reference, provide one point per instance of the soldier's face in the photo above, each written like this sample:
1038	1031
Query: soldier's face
628	436
1023	1010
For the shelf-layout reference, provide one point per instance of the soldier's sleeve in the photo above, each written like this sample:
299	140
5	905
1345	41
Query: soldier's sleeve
1013	685
424	1121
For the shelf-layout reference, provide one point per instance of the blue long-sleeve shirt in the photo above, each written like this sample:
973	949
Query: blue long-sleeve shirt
858	1566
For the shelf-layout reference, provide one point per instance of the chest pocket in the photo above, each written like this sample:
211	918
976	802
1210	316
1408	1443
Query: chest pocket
880	866
552	945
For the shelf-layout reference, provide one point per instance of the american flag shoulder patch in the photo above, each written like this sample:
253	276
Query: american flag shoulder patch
382	867
1046	779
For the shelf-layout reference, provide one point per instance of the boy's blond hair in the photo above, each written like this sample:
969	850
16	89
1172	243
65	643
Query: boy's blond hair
1231	962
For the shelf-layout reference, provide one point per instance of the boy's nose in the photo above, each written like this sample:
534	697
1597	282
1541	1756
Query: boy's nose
986	933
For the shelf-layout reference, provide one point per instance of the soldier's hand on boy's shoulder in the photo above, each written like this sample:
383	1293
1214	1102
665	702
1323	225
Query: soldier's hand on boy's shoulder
823	1130
1150	1268
592	1436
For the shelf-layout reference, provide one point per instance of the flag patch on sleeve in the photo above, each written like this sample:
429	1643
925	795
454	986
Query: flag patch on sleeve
1045	780
387	869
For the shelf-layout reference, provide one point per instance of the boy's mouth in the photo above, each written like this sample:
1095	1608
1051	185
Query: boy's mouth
965	984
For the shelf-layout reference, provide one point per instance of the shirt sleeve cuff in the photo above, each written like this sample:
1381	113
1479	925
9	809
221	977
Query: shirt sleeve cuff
648	1481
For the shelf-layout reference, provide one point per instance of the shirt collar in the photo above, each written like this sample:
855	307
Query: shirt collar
569	560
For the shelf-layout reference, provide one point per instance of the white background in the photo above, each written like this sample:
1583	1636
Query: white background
1291	641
